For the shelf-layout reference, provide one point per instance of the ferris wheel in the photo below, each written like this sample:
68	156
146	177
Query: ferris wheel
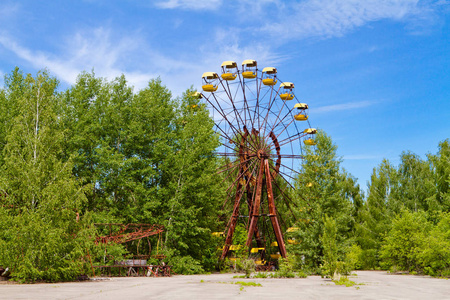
261	125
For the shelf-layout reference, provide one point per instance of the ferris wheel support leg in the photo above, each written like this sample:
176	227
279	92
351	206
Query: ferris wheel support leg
233	221
272	211
254	214
258	237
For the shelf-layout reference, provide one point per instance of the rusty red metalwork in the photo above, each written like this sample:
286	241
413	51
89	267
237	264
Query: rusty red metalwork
137	266
129	232
254	178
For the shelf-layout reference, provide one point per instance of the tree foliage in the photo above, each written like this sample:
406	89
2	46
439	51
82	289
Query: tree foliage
416	189
323	189
40	238
98	152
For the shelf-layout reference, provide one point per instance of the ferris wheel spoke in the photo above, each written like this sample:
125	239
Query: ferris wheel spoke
284	166
247	110
240	176
228	139
230	97
221	111
272	98
234	165
278	116
281	122
235	133
245	104
285	198
275	138
242	87
292	138
227	89
271	101
224	143
257	106
284	174
233	104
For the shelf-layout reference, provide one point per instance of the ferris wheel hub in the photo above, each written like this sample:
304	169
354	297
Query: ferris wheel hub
261	154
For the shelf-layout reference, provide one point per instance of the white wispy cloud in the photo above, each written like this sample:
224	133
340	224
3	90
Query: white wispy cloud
189	4
109	56
342	106
334	18
84	51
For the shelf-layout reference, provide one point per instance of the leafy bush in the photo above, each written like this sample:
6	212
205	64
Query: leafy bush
302	274
185	265
405	241
328	239
248	267
38	249
435	255
353	258
286	268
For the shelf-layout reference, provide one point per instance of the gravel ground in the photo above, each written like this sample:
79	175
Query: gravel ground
370	285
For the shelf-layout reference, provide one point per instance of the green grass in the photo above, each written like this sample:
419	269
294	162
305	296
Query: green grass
261	275
247	283
344	281
302	274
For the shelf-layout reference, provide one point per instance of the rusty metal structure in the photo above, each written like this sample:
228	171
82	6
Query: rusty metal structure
137	266
258	119
129	232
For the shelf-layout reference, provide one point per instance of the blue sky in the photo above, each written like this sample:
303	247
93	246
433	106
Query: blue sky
375	73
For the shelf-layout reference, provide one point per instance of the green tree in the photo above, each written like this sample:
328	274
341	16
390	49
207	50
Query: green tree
405	241
194	192
440	166
148	159
379	209
323	188
330	248
41	235
415	183
434	257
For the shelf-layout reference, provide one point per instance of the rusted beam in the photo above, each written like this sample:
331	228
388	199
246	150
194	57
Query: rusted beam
272	211
254	214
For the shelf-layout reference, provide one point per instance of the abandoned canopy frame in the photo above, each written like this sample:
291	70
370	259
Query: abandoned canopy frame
260	141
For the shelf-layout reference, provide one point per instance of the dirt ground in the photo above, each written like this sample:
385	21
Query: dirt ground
370	285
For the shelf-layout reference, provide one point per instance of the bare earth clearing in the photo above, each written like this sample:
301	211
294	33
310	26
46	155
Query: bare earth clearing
371	285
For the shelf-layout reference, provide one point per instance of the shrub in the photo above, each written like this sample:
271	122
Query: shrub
435	256
286	268
405	241
185	265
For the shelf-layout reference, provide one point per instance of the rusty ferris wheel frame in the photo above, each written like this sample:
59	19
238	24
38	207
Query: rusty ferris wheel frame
256	116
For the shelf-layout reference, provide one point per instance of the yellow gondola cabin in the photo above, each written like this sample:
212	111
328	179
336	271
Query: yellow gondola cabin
287	91
249	68
269	76
301	116
210	81
309	142
229	70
